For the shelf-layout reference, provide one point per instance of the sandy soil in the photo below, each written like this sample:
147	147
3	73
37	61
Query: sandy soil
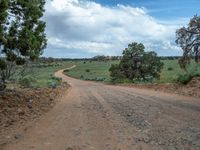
94	116
20	107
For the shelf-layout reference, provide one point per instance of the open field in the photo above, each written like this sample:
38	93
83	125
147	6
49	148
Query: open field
42	76
96	69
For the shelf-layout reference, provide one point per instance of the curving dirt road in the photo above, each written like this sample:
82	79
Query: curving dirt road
94	116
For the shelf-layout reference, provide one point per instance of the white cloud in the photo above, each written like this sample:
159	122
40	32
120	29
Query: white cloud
95	29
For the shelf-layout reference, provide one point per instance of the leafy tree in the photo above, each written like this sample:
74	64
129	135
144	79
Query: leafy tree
22	33
137	64
188	38
116	73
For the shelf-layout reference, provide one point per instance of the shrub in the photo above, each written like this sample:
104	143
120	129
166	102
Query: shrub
27	81
184	79
100	78
87	70
82	77
66	70
169	68
54	82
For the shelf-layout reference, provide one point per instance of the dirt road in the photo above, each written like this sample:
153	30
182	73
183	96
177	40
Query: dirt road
94	116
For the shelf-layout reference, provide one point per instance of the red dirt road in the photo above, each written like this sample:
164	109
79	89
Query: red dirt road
94	116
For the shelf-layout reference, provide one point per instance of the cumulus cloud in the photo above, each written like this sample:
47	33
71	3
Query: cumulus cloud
78	28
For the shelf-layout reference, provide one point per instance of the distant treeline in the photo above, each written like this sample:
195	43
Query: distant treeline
98	58
95	58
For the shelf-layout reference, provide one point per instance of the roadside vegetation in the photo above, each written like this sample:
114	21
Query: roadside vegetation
170	72
136	65
38	75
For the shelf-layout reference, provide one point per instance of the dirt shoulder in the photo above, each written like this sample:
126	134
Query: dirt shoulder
20	107
191	89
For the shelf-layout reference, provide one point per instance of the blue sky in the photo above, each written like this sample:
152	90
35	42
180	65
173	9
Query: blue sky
161	9
85	28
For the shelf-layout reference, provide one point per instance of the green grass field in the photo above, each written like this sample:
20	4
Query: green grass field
95	70
42	77
169	74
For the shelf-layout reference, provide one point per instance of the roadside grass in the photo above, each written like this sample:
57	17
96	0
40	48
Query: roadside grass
87	70
41	77
171	71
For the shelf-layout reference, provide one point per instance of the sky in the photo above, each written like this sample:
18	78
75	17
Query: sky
86	28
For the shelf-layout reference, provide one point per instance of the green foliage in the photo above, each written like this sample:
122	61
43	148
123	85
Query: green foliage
184	79
100	79
54	82
187	77
116	74
3	15
27	81
137	64
82	77
169	68
2	64
22	32
66	70
87	70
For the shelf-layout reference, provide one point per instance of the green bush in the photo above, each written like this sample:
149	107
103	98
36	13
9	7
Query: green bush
27	81
82	77
54	81
185	78
170	69
87	70
100	78
66	70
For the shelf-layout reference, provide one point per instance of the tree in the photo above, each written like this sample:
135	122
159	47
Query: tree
137	64
188	38
22	33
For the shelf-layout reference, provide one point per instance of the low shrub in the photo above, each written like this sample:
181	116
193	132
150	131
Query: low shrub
185	78
100	78
169	68
66	70
87	70
82	77
54	82
27	81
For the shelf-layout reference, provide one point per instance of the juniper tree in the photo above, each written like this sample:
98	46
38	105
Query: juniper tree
137	64
22	32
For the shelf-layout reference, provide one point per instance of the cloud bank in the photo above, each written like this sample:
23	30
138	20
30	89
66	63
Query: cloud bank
78	28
